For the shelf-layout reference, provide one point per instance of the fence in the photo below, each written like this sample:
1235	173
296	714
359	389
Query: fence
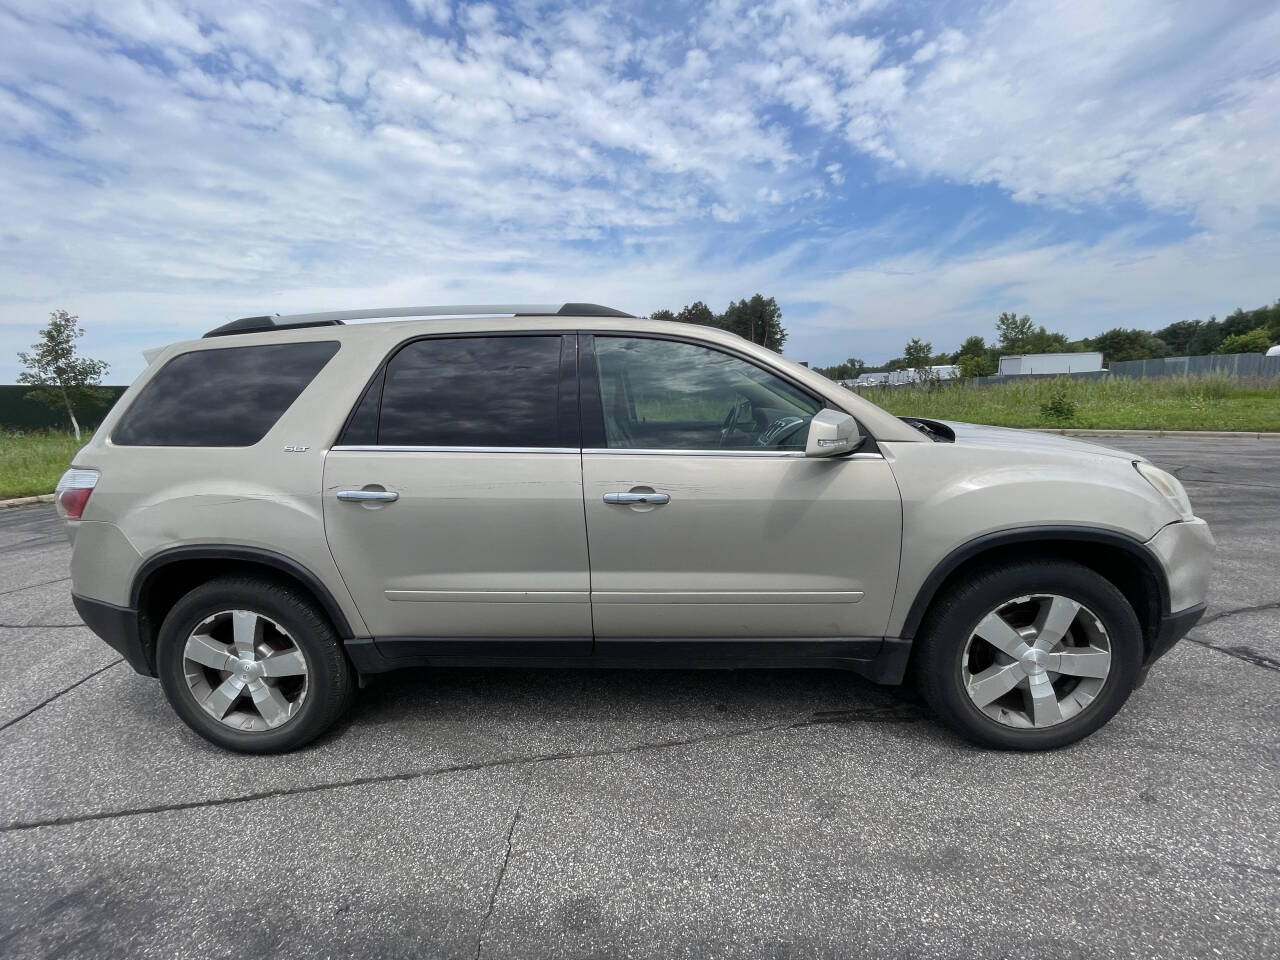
19	412
1244	365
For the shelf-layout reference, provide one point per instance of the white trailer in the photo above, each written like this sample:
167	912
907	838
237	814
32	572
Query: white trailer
1026	363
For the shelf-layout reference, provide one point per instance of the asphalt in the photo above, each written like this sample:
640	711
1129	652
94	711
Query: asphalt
508	813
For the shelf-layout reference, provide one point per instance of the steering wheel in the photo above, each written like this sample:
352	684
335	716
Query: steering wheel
730	423
781	430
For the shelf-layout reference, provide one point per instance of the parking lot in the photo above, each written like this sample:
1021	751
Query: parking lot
509	813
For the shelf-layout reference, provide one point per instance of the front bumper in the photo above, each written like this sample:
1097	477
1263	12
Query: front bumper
119	627
1172	628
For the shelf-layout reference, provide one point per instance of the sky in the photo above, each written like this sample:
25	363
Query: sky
884	169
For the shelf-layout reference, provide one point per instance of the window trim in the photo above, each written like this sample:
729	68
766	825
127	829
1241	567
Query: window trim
567	417
591	406
142	392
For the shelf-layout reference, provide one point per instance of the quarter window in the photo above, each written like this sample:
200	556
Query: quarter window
668	395
473	392
226	397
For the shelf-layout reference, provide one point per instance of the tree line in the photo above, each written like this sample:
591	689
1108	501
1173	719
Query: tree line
1244	331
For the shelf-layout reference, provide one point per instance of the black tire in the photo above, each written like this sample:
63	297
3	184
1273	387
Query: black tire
330	679
937	662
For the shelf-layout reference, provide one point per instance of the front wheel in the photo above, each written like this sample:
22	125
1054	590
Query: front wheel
252	666
1031	656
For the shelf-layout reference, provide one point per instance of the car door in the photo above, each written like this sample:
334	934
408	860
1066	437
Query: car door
704	517
453	501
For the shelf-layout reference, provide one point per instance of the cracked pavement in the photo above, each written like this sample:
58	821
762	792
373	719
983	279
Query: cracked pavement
509	813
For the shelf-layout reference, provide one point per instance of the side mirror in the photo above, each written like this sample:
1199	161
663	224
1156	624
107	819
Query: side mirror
832	433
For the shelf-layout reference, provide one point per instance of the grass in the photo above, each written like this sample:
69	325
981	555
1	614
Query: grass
1171	403
31	463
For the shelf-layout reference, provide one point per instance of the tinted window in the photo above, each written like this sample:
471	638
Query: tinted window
362	428
473	392
226	397
662	394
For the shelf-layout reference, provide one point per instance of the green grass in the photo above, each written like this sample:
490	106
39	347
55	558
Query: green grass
31	463
1172	403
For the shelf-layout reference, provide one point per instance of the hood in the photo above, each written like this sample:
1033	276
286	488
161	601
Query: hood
1031	440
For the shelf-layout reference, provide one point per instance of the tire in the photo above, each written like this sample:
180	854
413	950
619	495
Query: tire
955	668
305	687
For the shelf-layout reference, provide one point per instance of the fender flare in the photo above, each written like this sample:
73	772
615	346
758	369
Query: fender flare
1132	546
268	558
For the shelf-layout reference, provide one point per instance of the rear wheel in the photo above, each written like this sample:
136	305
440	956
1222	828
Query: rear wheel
252	666
1031	656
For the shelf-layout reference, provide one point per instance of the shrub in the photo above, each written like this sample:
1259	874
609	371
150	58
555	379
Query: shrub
1058	405
1256	340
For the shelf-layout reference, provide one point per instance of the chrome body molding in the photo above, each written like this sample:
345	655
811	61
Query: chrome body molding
596	451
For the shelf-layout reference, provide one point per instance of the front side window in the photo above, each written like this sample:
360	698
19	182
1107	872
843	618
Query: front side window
225	397
668	395
473	392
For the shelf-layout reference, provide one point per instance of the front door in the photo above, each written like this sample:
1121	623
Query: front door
453	502
704	518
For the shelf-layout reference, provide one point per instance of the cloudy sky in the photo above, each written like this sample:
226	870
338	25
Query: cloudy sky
885	169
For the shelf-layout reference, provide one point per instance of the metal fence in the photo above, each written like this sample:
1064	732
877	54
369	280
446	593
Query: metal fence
20	412
1244	365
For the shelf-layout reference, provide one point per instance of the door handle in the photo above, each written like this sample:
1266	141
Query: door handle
655	499
367	496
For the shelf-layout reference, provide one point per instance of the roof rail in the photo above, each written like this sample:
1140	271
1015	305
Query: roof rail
332	317
262	324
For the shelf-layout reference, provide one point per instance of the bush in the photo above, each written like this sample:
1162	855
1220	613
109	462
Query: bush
1256	340
1058	406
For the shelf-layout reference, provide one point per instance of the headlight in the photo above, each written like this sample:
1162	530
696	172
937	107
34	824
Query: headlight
1168	485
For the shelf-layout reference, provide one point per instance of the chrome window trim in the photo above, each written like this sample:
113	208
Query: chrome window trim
374	448
619	451
752	454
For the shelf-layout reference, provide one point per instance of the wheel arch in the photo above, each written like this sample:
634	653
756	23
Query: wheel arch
166	576
1123	560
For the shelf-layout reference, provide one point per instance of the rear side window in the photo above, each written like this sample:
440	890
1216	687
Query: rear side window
472	392
221	398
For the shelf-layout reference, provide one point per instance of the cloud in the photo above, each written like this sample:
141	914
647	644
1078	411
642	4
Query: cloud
167	166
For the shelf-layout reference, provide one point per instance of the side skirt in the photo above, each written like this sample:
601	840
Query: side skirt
881	659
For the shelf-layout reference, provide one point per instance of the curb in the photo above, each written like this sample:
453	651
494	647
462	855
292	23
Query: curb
26	501
1203	434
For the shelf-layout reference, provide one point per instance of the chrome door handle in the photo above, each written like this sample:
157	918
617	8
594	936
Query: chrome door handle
365	496
656	499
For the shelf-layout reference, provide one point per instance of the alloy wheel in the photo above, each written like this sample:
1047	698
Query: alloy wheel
245	670
1036	661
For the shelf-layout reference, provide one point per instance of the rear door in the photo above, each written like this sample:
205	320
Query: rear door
453	501
706	521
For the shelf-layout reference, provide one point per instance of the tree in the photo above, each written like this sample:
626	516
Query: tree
976	365
1256	340
1120	344
1178	336
1206	338
699	313
918	356
665	315
758	319
60	377
851	369
1014	332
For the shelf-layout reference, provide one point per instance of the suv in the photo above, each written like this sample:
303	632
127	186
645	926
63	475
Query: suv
273	512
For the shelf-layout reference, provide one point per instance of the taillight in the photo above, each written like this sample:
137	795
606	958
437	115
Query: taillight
72	492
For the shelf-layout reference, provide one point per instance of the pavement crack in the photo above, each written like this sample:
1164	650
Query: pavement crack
48	700
42	626
904	713
1223	614
1241	652
31	586
502	870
